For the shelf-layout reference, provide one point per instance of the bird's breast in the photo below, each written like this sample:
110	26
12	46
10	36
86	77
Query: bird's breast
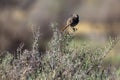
74	23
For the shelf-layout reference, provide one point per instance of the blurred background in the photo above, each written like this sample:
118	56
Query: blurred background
99	19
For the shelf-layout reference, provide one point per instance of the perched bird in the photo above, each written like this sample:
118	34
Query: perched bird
72	22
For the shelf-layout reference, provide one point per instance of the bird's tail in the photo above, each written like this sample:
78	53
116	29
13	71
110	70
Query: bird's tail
64	28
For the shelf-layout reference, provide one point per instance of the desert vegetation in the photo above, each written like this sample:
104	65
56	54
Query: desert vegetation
60	62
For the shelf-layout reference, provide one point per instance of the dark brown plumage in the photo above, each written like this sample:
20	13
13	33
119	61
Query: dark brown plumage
72	22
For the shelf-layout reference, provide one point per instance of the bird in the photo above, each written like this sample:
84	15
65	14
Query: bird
72	22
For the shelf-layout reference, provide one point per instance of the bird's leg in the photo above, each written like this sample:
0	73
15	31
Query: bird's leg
74	29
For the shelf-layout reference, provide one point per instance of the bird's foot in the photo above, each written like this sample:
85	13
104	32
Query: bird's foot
74	29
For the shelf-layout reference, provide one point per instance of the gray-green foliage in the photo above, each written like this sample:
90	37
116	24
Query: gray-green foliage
61	61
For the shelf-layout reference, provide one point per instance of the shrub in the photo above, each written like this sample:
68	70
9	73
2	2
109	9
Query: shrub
61	61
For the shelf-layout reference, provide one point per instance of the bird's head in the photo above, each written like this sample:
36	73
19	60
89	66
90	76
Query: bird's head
75	15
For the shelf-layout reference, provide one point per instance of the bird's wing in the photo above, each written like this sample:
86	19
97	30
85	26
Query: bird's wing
64	28
69	21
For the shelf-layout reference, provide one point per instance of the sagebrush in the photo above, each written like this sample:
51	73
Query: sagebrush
60	62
